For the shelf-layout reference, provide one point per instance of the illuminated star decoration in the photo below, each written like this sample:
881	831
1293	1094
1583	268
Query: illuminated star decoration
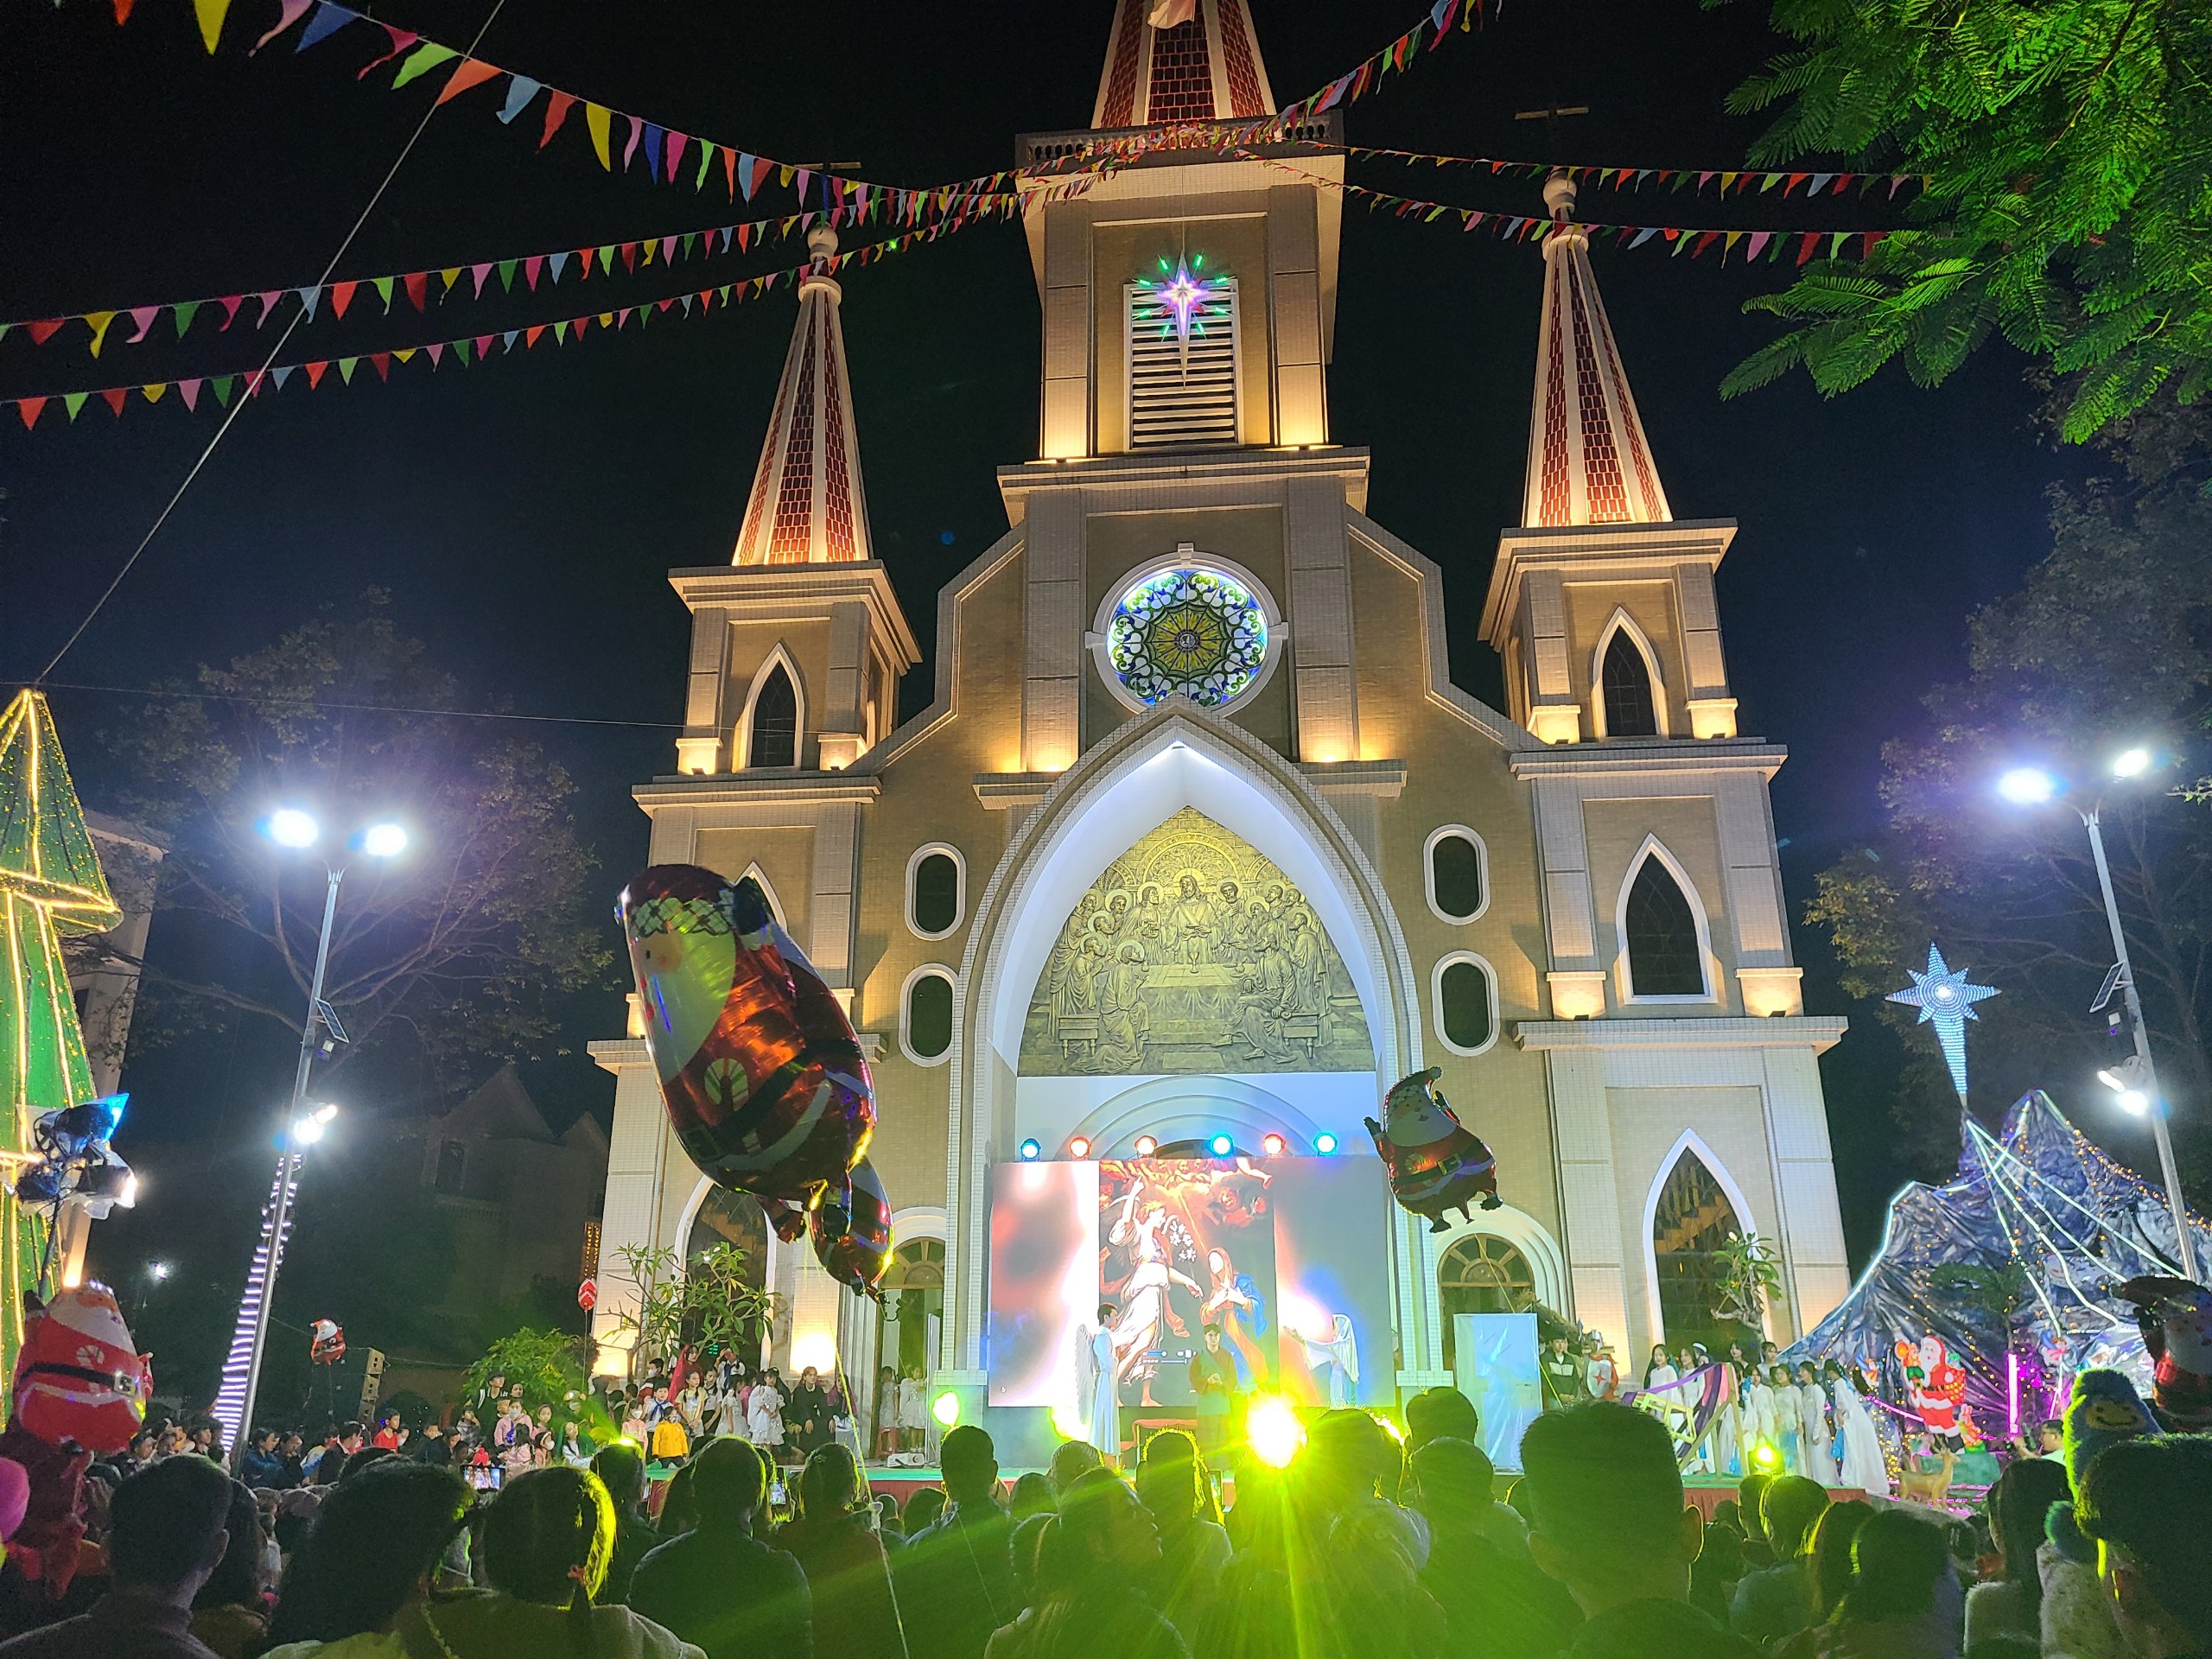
1185	298
1946	1001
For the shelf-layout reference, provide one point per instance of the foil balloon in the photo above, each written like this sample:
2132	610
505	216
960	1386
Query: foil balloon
760	1070
79	1380
1435	1163
859	1255
787	1220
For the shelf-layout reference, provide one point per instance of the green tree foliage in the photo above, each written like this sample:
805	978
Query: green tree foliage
2067	150
548	1363
1748	1274
709	1304
451	955
2107	644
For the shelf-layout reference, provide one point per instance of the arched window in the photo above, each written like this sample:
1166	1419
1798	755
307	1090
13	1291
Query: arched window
1465	998
926	1015
1458	885
913	1307
773	728
1625	687
725	1216
1666	952
1482	1273
935	877
1691	1219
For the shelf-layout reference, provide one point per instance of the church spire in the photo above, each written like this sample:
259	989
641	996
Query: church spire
1171	61
1589	462
807	505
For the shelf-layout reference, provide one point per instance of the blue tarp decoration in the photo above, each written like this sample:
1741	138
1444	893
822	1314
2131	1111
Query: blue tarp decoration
2036	1217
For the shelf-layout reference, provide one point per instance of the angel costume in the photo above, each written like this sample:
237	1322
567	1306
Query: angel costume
1862	1465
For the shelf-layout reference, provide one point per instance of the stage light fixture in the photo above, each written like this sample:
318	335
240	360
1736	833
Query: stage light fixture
1325	1143
1031	1152
1078	1147
1146	1145
1220	1145
1766	1457
1067	1422
1272	1144
946	1409
1273	1432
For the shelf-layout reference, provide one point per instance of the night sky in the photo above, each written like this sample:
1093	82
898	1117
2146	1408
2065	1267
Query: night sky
524	512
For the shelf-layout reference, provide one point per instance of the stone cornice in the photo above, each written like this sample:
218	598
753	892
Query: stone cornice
772	592
1005	792
774	789
1140	476
1819	1033
1385	778
1614	552
1642	759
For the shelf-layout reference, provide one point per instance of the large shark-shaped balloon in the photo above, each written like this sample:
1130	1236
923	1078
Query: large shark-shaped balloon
760	1070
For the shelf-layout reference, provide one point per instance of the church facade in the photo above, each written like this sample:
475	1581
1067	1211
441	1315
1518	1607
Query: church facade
1189	842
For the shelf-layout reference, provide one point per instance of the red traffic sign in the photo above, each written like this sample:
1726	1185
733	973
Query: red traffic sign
588	1295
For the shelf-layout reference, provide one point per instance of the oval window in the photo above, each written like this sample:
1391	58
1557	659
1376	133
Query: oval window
936	893
929	1016
1463	1011
1455	877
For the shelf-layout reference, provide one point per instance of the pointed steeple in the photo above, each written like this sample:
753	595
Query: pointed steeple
1171	61
807	505
1589	462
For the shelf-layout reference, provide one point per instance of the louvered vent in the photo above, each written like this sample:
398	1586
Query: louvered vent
1182	391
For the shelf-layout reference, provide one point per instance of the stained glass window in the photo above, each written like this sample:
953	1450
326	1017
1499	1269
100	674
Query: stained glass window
1197	632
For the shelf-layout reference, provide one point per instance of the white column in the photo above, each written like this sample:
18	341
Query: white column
1053	629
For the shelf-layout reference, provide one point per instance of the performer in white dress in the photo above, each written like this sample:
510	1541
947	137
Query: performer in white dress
1814	1439
1657	1375
1101	1382
764	1412
1758	1416
1862	1464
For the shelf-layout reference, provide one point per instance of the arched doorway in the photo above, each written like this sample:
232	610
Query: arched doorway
912	1320
1692	1218
734	1218
1481	1272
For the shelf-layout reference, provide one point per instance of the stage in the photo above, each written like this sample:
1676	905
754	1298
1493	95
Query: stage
1709	1492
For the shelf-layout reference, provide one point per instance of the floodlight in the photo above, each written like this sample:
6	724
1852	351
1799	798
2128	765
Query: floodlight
1067	1422
1146	1145
160	1270
289	826
1325	1143
306	1131
946	1409
1078	1146
1220	1145
1272	1144
1031	1152
384	840
1273	1432
2027	786
2131	763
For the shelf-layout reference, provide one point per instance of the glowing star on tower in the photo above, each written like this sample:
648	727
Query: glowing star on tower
1946	1001
1185	299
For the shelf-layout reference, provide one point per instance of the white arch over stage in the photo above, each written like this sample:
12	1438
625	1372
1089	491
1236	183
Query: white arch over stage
1175	756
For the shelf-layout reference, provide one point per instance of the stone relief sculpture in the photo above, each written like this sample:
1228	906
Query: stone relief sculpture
1192	953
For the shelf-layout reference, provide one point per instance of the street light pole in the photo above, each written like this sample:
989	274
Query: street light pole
287	1164
2146	1070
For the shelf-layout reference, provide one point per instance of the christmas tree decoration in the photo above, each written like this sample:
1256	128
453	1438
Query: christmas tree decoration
1946	1001
50	883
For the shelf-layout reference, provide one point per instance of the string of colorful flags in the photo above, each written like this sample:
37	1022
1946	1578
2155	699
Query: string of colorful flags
416	285
664	148
1694	240
470	349
1744	181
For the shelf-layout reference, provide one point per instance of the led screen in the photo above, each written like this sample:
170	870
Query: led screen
1289	1256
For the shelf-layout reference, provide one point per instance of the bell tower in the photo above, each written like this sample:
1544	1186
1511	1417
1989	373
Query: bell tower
1190	296
1601	603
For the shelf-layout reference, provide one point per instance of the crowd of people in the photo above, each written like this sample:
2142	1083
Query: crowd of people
1370	1542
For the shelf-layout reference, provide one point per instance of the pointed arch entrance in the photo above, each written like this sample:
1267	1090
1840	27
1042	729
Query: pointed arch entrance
1694	1208
1124	787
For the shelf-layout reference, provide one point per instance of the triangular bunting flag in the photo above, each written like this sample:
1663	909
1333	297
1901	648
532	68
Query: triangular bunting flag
557	105
99	321
211	14
423	59
520	89
469	72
